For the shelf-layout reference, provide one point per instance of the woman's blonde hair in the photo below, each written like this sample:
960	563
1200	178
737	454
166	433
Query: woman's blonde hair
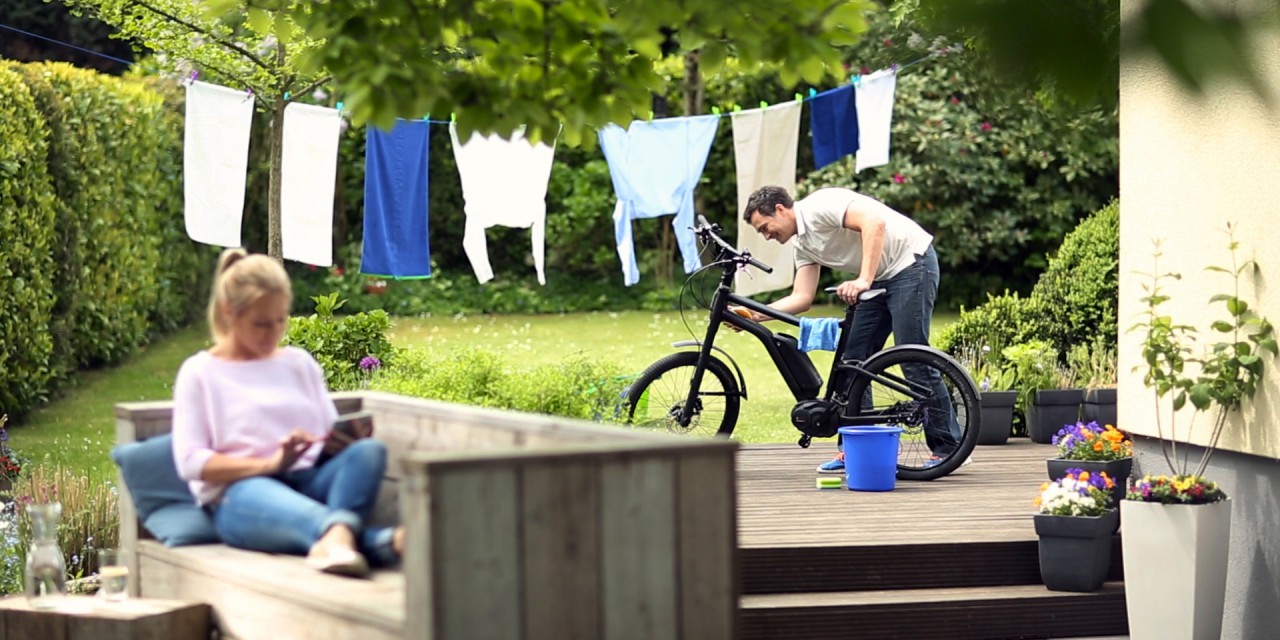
238	281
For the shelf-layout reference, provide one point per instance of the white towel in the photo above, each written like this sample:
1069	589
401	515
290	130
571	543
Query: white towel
874	96
308	170
504	182
765	142
215	161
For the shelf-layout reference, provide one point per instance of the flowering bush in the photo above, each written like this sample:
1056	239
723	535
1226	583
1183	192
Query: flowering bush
1186	489
10	462
1082	441
1079	493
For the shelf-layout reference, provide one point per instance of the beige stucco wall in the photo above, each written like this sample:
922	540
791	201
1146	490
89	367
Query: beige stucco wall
1188	165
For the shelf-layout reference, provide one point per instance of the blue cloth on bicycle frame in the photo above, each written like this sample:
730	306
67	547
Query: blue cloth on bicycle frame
395	202
833	121
819	334
655	166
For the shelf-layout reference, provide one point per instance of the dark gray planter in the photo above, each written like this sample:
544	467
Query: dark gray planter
1119	471
1075	551
1050	410
997	416
1099	405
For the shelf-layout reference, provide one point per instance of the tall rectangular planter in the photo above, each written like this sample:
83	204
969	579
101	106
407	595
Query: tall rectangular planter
1099	406
997	417
1175	568
1050	410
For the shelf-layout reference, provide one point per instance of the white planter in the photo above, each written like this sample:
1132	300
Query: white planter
1175	568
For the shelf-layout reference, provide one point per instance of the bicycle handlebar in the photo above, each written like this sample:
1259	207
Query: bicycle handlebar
710	231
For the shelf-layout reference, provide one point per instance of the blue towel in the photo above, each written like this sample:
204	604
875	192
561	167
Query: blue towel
655	167
819	334
833	121
395	202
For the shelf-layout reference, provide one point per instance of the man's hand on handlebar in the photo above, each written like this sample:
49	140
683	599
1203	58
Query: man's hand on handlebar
849	290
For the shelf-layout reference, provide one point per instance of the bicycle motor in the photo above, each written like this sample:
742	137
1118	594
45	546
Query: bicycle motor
815	419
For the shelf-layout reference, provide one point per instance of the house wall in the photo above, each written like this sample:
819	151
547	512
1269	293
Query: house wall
1189	164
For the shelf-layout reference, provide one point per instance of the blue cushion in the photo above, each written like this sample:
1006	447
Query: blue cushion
164	503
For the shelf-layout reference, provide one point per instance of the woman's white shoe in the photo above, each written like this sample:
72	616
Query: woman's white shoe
338	560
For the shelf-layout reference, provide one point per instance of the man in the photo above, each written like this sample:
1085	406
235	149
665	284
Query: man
847	231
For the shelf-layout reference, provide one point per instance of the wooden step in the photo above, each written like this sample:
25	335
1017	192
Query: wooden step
882	567
971	613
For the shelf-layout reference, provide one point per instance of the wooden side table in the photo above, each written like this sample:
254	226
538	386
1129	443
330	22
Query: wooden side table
90	618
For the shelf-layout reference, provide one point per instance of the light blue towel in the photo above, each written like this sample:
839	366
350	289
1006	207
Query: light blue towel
655	167
395	202
833	121
819	334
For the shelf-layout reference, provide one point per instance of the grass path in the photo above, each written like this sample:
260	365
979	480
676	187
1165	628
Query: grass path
78	429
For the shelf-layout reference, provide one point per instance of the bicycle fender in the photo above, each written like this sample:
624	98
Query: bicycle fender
742	381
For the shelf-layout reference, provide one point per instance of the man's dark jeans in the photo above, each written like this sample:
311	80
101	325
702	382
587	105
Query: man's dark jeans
905	310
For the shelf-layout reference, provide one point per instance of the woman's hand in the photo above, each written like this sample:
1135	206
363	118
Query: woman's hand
292	447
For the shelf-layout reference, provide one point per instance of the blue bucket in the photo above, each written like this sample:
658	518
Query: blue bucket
870	457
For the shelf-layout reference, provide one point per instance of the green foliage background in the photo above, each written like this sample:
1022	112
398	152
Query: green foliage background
100	262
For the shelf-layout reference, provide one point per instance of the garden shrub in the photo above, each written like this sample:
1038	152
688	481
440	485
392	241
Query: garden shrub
1081	286
90	515
27	228
576	387
342	344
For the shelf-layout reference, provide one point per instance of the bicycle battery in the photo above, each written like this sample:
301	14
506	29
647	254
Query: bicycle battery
798	364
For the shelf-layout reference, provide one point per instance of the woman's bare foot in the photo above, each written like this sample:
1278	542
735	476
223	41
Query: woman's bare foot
397	541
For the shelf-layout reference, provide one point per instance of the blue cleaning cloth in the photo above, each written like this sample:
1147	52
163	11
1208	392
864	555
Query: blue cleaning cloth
395	202
655	167
833	121
819	334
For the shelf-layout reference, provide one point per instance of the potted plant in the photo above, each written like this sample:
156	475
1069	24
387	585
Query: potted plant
1096	449
1178	528
1075	524
995	385
1095	368
1046	393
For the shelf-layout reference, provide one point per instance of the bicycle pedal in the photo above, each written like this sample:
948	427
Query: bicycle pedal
804	441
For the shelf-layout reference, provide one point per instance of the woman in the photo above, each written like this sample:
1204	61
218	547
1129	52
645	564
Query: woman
250	420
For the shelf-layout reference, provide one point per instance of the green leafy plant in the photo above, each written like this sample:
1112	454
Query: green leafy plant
1221	379
1094	364
341	343
987	368
1035	367
90	515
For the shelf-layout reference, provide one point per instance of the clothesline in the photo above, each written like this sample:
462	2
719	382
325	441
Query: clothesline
65	44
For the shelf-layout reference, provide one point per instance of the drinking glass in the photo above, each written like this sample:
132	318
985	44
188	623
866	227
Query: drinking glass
113	575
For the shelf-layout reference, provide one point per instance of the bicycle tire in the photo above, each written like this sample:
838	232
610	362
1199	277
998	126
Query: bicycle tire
663	388
916	462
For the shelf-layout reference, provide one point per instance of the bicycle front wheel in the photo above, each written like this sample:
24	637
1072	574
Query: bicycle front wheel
930	397
659	394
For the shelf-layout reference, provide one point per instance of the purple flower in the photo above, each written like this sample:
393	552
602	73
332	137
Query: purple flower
369	363
4	435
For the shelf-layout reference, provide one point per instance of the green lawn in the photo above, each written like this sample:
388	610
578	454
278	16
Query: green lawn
79	428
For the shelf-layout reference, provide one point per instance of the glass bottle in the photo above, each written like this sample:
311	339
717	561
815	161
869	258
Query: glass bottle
46	573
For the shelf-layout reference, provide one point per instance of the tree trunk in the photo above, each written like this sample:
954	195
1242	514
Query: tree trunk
275	134
693	87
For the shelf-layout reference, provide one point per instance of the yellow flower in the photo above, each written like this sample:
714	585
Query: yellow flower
1183	483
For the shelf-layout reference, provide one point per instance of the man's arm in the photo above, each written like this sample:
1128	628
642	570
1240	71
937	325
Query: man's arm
862	217
800	299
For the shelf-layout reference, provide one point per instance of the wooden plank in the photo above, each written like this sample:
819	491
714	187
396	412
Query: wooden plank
87	618
638	534
560	517
707	546
475	554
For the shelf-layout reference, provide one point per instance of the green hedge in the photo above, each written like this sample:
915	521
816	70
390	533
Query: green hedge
27	215
105	252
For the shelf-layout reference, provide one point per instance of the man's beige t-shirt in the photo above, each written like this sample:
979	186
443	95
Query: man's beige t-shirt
821	237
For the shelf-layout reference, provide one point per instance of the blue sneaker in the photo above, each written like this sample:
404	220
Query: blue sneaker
834	465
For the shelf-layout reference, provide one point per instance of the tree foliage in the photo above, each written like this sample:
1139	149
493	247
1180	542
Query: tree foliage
500	64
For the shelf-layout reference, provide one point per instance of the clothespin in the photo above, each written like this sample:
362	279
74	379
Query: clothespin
894	67
453	117
339	106
650	118
427	118
715	111
812	92
248	94
286	96
764	105
192	78
799	97
856	79
736	107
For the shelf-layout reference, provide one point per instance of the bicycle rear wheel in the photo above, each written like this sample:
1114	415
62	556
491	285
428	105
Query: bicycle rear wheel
656	398
926	393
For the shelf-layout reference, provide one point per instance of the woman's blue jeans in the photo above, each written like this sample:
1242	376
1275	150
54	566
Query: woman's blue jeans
288	513
905	309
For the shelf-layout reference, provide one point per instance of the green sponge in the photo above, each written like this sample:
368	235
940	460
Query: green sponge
829	482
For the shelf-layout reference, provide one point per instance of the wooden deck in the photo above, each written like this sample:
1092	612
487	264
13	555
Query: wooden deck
955	558
989	500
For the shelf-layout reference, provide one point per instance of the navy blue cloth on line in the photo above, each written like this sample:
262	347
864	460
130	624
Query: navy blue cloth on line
819	334
395	202
833	121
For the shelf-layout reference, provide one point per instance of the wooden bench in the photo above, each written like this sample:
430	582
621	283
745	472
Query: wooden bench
518	526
